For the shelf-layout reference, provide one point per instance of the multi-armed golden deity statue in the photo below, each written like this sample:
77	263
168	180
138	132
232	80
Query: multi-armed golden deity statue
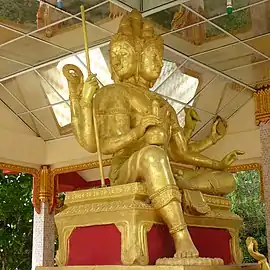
140	129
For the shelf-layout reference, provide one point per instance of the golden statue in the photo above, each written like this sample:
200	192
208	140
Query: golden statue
140	129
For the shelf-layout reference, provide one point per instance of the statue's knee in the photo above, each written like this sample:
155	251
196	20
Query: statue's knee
153	155
227	183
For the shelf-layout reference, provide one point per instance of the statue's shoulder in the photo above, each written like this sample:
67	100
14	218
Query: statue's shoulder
161	100
112	91
112	96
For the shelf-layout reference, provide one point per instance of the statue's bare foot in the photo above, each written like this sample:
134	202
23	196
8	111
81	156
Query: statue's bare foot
184	245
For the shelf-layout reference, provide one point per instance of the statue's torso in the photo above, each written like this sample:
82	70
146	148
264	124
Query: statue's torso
135	103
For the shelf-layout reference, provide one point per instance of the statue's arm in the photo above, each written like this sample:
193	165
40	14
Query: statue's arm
115	133
218	131
199	146
179	150
82	124
81	98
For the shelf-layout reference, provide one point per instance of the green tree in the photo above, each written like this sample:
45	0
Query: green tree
246	202
16	214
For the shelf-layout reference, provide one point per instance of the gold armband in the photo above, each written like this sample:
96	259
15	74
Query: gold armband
178	228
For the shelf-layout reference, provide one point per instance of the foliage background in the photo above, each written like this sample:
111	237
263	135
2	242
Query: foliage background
16	214
246	202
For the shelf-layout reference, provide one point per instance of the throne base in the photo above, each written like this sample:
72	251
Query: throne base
117	225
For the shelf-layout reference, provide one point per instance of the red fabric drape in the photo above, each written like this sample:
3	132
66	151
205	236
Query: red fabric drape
73	181
97	245
101	245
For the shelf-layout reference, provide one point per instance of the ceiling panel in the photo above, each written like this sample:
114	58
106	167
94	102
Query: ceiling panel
195	48
132	3
252	75
38	94
179	86
64	36
197	39
247	23
261	44
229	57
46	118
11	101
204	75
99	14
235	104
38	127
73	6
171	56
27	16
7	35
150	4
221	91
8	67
174	18
213	8
107	17
30	51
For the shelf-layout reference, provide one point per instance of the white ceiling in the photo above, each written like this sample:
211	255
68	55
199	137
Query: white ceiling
229	54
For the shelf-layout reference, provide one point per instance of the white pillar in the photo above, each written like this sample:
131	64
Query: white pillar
265	141
43	237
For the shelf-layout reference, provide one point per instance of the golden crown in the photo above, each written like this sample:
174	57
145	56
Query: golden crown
138	31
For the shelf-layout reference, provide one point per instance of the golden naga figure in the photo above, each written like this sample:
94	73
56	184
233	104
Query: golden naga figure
141	131
252	247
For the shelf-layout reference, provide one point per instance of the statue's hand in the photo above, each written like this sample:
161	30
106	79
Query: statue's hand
74	77
229	159
218	129
191	118
89	88
147	121
178	174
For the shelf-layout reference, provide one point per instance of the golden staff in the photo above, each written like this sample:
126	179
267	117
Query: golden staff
94	113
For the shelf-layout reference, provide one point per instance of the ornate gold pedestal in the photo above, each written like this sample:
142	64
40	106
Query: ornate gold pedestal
128	207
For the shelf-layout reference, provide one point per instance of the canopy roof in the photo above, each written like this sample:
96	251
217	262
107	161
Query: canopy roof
212	61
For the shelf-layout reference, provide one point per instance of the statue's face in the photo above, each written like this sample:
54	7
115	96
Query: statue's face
123	60
151	63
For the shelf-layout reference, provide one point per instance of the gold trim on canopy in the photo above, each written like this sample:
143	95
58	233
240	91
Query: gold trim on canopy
262	105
